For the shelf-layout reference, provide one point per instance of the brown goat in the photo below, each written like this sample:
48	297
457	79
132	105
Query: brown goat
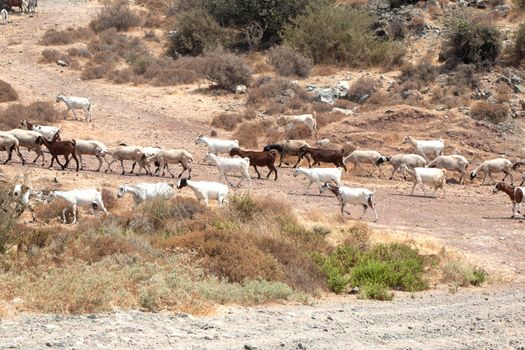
258	158
515	194
323	155
60	148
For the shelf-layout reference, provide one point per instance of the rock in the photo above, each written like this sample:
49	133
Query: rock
414	93
502	10
249	347
363	98
240	89
55	179
354	290
62	63
519	89
522	103
481	4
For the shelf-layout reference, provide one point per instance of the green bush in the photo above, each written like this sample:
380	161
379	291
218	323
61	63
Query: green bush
463	275
116	15
226	70
469	40
341	35
517	48
376	291
195	32
288	62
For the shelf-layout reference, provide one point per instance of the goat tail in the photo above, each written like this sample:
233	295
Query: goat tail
74	142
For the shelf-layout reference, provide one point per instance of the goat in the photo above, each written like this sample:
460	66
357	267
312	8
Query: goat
231	165
146	191
515	194
23	194
263	158
206	190
78	198
46	131
426	147
217	145
497	165
31	140
322	155
5	16
92	148
429	176
173	156
9	143
74	102
307	120
358	157
410	160
355	196
319	175
453	162
124	152
32	6
60	148
146	153
288	147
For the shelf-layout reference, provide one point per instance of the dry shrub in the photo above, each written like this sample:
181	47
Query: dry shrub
503	92
516	50
52	56
79	52
231	255
288	62
463	79
492	112
299	132
422	73
151	36
94	247
417	24
65	37
247	135
226	121
519	4
380	99
166	72
109	199
37	112
116	15
152	20
51	211
326	118
7	93
96	71
363	86
226	70
275	93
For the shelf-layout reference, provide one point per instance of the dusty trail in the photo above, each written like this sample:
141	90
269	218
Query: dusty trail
466	320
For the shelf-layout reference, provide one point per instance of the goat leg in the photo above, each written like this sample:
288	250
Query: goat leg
258	175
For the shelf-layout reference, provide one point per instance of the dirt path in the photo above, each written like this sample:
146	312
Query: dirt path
466	320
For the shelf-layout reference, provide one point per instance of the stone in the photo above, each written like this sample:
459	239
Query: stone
62	63
240	89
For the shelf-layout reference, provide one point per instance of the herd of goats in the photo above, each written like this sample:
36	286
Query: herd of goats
416	165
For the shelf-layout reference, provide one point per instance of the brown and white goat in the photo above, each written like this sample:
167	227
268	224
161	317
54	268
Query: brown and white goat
515	194
322	155
258	158
60	148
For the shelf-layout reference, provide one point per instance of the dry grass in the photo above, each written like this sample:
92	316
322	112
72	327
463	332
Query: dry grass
7	93
492	112
65	37
37	112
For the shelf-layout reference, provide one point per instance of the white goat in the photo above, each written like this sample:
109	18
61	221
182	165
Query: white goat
355	196
358	157
173	156
122	153
78	198
24	194
206	190
31	140
411	160
92	148
47	131
5	16
217	145
74	102
231	165
9	143
454	162
429	176
146	191
426	147
498	165
307	120
319	175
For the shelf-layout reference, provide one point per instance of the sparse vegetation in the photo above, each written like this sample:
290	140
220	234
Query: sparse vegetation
65	37
520	4
471	41
226	70
341	35
116	15
492	112
42	112
287	62
7	93
361	88
463	275
517	48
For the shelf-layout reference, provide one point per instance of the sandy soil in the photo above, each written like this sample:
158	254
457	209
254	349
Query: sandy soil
471	220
